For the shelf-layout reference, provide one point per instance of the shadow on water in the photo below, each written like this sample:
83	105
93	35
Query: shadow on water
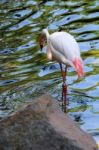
25	72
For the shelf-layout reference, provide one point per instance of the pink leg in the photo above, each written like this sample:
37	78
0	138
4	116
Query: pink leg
64	89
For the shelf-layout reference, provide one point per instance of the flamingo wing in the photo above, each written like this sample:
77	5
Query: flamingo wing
64	44
57	55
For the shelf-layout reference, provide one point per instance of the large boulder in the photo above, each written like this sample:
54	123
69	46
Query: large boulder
41	125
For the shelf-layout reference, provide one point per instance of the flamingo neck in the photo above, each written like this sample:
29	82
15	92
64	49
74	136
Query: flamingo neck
46	33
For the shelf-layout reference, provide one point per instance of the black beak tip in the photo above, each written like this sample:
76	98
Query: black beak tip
41	47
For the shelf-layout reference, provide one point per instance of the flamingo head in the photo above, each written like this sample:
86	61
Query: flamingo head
43	38
78	67
42	41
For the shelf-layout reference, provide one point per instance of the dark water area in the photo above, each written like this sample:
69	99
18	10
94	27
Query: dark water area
25	72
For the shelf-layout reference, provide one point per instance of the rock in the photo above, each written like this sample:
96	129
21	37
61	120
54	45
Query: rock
41	125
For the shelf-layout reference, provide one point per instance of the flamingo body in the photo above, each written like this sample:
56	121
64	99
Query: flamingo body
64	44
63	48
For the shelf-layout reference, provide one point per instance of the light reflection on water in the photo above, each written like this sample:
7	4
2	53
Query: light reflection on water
25	72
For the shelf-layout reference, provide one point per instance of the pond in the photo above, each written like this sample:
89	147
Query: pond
25	72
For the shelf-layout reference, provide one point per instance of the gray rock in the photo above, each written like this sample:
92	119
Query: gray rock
41	125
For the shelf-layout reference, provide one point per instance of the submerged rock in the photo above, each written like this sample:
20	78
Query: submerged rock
41	125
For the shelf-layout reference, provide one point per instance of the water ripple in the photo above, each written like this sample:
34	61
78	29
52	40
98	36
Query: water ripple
25	71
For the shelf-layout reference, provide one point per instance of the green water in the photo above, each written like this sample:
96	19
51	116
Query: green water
25	72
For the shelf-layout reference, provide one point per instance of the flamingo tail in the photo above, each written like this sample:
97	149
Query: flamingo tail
78	67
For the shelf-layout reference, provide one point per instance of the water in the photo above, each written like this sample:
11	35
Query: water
25	72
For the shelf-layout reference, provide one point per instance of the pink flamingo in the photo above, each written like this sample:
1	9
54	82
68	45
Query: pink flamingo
63	48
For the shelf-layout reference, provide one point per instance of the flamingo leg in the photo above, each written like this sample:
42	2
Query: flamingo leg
64	88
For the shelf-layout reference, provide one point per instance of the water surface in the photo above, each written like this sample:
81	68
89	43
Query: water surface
25	72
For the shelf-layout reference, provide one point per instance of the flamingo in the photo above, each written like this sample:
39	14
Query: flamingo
62	47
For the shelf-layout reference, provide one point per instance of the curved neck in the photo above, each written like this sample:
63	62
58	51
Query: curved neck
46	33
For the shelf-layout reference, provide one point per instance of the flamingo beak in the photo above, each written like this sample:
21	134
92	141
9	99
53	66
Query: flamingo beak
41	42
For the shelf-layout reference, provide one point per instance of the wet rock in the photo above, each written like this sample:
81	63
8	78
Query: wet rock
41	125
